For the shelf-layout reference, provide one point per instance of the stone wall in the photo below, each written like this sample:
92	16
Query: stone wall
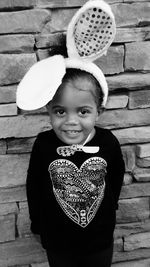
29	31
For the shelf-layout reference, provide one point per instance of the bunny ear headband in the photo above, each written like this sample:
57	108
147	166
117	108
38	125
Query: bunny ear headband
90	33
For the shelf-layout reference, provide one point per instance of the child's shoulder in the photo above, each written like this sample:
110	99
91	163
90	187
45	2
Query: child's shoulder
104	132
45	136
106	135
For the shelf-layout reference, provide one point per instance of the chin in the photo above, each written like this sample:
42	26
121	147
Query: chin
72	141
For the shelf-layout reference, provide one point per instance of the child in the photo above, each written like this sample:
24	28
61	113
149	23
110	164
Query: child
76	169
73	195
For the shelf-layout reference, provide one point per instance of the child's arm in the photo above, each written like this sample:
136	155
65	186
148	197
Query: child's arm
117	170
33	187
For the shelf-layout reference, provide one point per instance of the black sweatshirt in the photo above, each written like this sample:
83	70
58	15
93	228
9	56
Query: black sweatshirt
73	200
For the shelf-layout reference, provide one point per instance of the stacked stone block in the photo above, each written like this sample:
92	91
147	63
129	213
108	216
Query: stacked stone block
31	30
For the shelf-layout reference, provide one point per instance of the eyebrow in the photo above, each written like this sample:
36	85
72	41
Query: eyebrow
59	106
86	107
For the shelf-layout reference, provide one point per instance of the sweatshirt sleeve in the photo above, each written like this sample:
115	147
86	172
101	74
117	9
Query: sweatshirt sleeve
33	187
117	170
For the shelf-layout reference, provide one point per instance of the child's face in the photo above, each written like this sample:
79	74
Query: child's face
73	112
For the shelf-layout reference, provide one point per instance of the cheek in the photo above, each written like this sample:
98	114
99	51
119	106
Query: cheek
89	123
55	121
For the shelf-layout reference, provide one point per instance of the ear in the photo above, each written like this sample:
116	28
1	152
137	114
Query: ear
48	107
97	116
99	112
48	104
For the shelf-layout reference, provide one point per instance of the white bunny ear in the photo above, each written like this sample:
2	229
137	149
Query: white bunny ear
91	31
40	83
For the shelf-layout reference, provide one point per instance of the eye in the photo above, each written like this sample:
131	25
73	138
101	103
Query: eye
59	112
84	111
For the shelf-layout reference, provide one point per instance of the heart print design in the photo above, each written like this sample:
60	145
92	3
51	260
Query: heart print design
79	191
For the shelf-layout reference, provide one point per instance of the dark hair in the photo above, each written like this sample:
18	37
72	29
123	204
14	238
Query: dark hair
72	74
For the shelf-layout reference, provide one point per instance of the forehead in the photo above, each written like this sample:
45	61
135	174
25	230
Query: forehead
75	91
83	83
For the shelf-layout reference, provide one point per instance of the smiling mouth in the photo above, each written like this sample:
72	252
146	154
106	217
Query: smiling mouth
72	132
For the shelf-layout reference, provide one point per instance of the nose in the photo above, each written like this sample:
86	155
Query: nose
71	119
